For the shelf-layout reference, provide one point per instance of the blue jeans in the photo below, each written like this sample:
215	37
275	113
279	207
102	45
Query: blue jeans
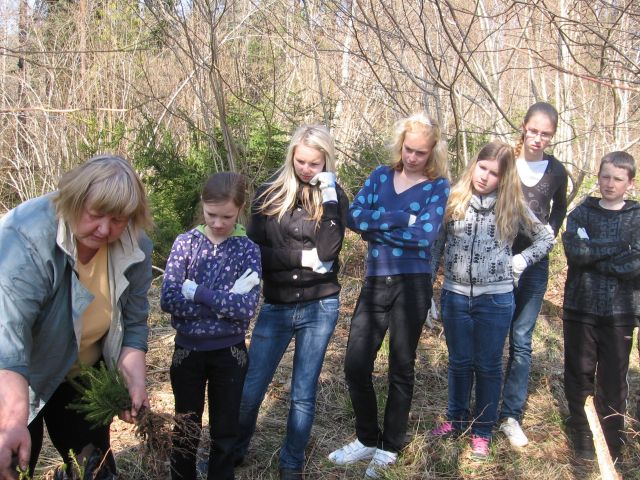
528	296
312	324
475	329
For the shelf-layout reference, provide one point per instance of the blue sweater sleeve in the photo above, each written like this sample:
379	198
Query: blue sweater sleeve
171	299
424	232
363	217
234	306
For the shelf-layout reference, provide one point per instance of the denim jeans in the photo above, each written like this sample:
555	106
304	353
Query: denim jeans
221	372
398	303
528	297
312	324
475	329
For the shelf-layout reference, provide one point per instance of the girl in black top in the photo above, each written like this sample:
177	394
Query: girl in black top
298	220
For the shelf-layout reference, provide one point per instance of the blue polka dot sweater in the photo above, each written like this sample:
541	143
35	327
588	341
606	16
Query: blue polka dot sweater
381	216
215	318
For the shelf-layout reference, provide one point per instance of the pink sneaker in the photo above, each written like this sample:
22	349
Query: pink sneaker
479	447
444	430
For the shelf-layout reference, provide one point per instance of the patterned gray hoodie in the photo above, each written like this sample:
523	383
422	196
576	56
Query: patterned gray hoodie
476	261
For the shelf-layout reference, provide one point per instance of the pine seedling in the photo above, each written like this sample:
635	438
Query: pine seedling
104	395
103	392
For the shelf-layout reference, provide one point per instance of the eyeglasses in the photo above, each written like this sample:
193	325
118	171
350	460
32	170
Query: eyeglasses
533	133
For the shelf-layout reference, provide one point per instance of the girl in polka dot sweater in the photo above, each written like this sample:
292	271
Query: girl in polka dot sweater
398	212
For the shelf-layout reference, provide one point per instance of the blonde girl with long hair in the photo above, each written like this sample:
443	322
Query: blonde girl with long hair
398	212
298	219
544	183
484	214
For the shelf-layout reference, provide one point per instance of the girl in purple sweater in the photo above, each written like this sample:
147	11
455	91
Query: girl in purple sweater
211	289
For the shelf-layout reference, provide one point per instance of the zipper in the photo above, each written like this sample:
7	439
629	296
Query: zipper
473	243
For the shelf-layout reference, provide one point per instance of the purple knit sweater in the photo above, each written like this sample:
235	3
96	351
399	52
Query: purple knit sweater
215	318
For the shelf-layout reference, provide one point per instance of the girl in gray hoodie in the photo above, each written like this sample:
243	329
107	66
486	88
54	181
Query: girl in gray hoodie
486	210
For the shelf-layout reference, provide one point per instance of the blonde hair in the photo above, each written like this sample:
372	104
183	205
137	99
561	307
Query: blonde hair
511	209
280	194
107	184
543	108
437	165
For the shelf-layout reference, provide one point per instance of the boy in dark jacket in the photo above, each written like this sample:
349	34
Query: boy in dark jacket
601	303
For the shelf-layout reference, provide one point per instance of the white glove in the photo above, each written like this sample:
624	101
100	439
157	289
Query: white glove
518	265
246	282
310	260
327	181
582	233
189	289
432	314
412	219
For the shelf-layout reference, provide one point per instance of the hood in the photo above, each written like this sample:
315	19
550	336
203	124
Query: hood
594	202
483	202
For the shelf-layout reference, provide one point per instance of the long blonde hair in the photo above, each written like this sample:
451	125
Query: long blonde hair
511	209
280	195
437	165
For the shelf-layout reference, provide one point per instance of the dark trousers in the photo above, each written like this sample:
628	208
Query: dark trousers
222	372
596	362
68	430
397	303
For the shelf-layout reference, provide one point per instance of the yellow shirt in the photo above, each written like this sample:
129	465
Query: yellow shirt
96	319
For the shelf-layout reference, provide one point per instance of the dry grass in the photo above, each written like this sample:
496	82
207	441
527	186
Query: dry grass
547	456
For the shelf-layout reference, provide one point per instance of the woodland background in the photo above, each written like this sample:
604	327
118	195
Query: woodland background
184	88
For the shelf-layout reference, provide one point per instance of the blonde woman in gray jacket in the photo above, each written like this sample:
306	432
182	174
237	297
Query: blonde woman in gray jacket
486	210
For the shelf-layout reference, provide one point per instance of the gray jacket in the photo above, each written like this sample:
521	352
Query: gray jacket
476	261
42	299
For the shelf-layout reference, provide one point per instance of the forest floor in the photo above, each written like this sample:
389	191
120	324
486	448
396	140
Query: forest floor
548	455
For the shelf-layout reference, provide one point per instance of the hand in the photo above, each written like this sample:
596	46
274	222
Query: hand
327	181
310	260
189	289
582	233
139	401
518	265
15	444
412	219
432	314
132	365
246	282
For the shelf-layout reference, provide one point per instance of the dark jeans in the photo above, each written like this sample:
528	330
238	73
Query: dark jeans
222	372
312	324
68	430
528	297
475	329
596	362
397	303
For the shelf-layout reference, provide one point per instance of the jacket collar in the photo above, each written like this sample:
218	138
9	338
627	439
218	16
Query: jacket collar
125	248
483	202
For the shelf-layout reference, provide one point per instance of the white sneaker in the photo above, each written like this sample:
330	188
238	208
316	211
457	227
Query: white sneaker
512	430
381	460
351	453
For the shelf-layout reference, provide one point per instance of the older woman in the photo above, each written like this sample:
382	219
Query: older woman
74	274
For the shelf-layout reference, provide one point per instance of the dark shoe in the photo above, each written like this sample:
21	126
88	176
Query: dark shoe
583	445
291	474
